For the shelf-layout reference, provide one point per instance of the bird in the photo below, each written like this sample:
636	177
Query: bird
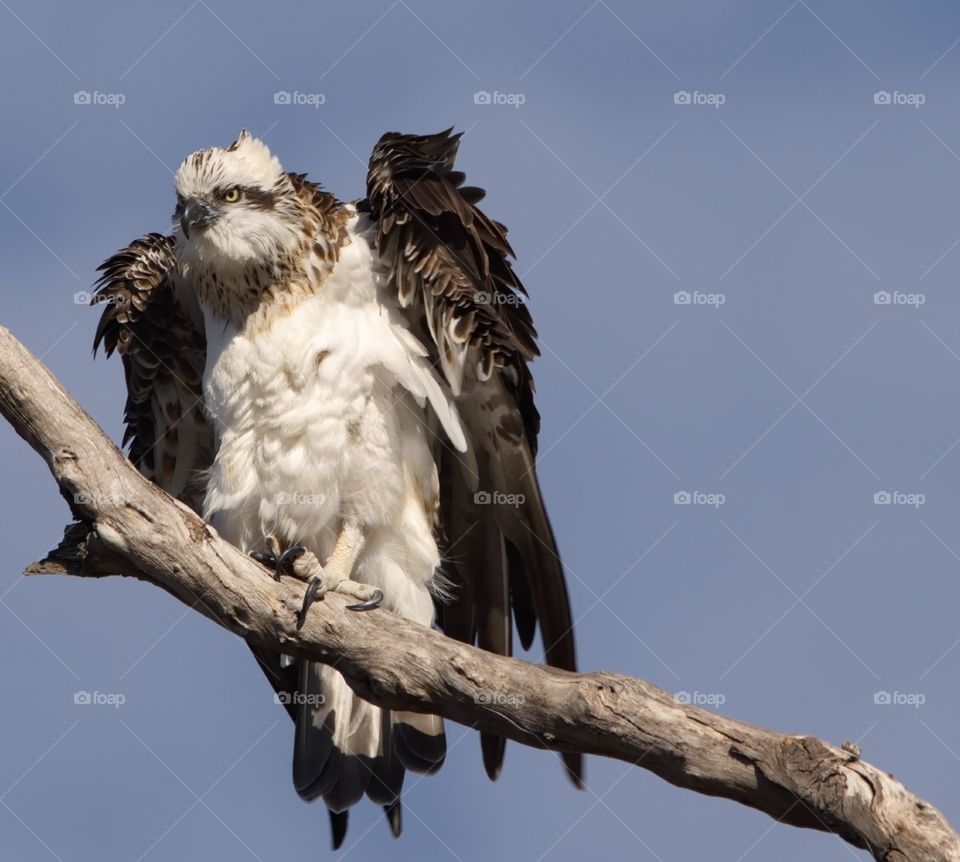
342	390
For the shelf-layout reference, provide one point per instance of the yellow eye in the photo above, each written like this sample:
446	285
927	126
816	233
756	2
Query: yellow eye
232	195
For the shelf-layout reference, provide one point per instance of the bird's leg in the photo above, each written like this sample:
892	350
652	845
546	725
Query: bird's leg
335	574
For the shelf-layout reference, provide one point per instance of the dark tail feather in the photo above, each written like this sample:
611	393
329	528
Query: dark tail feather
393	813
338	827
574	765
338	739
419	741
345	748
386	782
492	747
313	744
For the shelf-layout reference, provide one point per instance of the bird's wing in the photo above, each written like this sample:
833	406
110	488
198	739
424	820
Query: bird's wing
451	267
158	332
156	326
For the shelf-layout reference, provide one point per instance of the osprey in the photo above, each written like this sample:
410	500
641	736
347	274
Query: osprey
342	390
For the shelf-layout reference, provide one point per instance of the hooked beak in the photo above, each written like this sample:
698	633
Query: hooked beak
196	214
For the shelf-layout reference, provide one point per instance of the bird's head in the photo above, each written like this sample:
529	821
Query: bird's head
236	207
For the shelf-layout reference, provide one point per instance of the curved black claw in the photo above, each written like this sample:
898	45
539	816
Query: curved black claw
370	605
269	558
309	597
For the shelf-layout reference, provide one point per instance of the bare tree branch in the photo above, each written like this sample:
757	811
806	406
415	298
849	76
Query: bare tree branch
128	526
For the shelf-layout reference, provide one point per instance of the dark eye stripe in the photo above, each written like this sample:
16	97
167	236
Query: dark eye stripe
260	199
254	197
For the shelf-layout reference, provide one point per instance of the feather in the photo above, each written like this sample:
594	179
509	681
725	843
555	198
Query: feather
455	283
419	741
394	818
337	736
156	328
338	827
414	373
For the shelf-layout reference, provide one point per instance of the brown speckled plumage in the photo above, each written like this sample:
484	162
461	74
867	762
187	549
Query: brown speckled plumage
274	288
163	354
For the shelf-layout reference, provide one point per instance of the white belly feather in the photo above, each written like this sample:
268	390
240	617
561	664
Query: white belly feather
322	416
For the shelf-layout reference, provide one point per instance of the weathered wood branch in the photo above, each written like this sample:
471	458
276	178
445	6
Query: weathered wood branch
127	526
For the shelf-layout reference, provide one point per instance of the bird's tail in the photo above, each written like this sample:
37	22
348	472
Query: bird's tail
346	748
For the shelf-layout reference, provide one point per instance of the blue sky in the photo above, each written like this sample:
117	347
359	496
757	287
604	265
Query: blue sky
739	229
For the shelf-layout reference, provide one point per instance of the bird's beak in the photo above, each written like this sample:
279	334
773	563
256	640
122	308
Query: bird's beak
196	214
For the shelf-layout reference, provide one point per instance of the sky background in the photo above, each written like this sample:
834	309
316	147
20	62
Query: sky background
781	198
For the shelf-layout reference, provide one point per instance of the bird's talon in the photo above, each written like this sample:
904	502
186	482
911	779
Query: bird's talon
315	592
371	604
269	558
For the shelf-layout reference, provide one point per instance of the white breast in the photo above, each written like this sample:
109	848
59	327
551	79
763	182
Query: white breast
322	414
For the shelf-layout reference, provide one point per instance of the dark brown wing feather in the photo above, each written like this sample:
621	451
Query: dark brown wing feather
451	266
160	339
